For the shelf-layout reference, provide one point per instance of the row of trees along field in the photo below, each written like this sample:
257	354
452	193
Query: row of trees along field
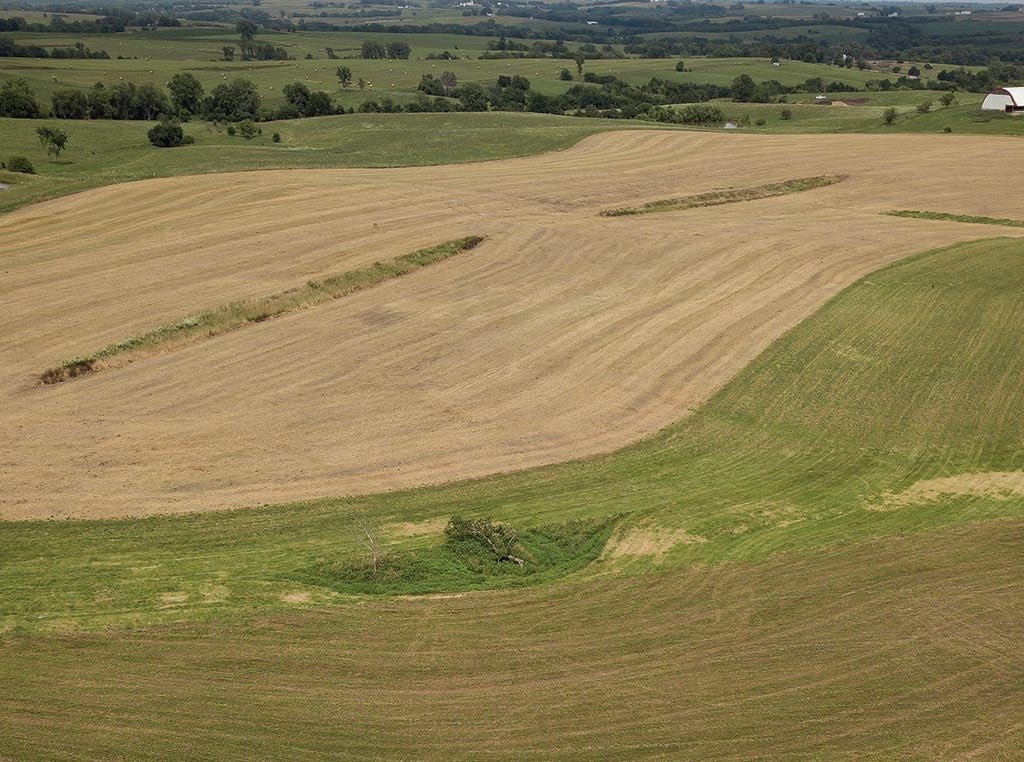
597	95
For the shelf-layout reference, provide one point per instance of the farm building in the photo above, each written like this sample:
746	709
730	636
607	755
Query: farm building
1009	99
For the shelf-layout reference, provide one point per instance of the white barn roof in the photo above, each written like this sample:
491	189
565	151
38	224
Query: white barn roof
1016	94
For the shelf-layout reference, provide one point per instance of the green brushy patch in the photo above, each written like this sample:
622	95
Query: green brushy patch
728	196
464	562
238	314
971	218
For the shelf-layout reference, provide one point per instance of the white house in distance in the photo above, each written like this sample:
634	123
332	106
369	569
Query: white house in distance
1008	99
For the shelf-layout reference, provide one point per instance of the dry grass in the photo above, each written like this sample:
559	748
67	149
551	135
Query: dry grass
564	335
231	317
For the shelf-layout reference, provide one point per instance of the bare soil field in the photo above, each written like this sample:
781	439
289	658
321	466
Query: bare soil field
563	335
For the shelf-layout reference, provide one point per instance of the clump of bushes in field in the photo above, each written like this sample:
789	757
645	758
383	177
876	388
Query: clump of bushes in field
169	134
19	164
476	553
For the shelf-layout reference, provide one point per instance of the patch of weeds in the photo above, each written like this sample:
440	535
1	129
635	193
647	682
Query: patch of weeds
974	219
475	554
729	196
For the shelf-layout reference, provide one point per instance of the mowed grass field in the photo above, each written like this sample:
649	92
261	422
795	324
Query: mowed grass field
563	335
820	561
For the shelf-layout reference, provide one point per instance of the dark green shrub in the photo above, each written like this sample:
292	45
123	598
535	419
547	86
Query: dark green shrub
276	137
20	164
168	134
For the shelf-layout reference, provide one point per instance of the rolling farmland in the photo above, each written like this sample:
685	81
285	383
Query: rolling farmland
798	416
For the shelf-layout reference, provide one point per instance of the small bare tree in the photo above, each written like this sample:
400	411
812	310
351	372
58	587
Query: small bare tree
448	82
366	533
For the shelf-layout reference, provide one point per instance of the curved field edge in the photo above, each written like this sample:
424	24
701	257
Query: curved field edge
913	373
231	317
104	153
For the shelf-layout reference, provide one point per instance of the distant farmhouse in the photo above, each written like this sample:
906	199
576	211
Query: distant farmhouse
1008	99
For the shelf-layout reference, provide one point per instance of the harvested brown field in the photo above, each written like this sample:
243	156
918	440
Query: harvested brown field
563	335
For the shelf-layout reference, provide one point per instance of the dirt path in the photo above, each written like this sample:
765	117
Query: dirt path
563	335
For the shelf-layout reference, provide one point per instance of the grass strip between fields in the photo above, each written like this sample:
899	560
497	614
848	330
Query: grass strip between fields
235	315
971	218
727	196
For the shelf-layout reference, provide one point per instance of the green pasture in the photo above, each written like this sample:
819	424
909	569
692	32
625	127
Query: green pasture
913	373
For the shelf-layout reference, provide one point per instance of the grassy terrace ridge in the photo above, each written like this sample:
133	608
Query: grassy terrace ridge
727	196
971	218
783	458
236	315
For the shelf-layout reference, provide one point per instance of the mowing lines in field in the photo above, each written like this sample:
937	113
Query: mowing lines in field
238	314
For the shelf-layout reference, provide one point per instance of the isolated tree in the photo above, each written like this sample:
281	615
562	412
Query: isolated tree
579	58
366	532
330	53
246	30
169	134
889	115
924	107
448	82
680	66
70	104
947	100
344	76
186	93
247	129
53	139
565	75
786	114
362	83
229	52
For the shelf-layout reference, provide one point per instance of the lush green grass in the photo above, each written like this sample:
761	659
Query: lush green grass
730	196
542	554
913	373
956	218
231	317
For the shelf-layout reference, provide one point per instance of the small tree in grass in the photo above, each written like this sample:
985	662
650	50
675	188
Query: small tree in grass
168	134
947	100
54	140
344	76
786	114
499	539
889	115
247	129
366	533
924	107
